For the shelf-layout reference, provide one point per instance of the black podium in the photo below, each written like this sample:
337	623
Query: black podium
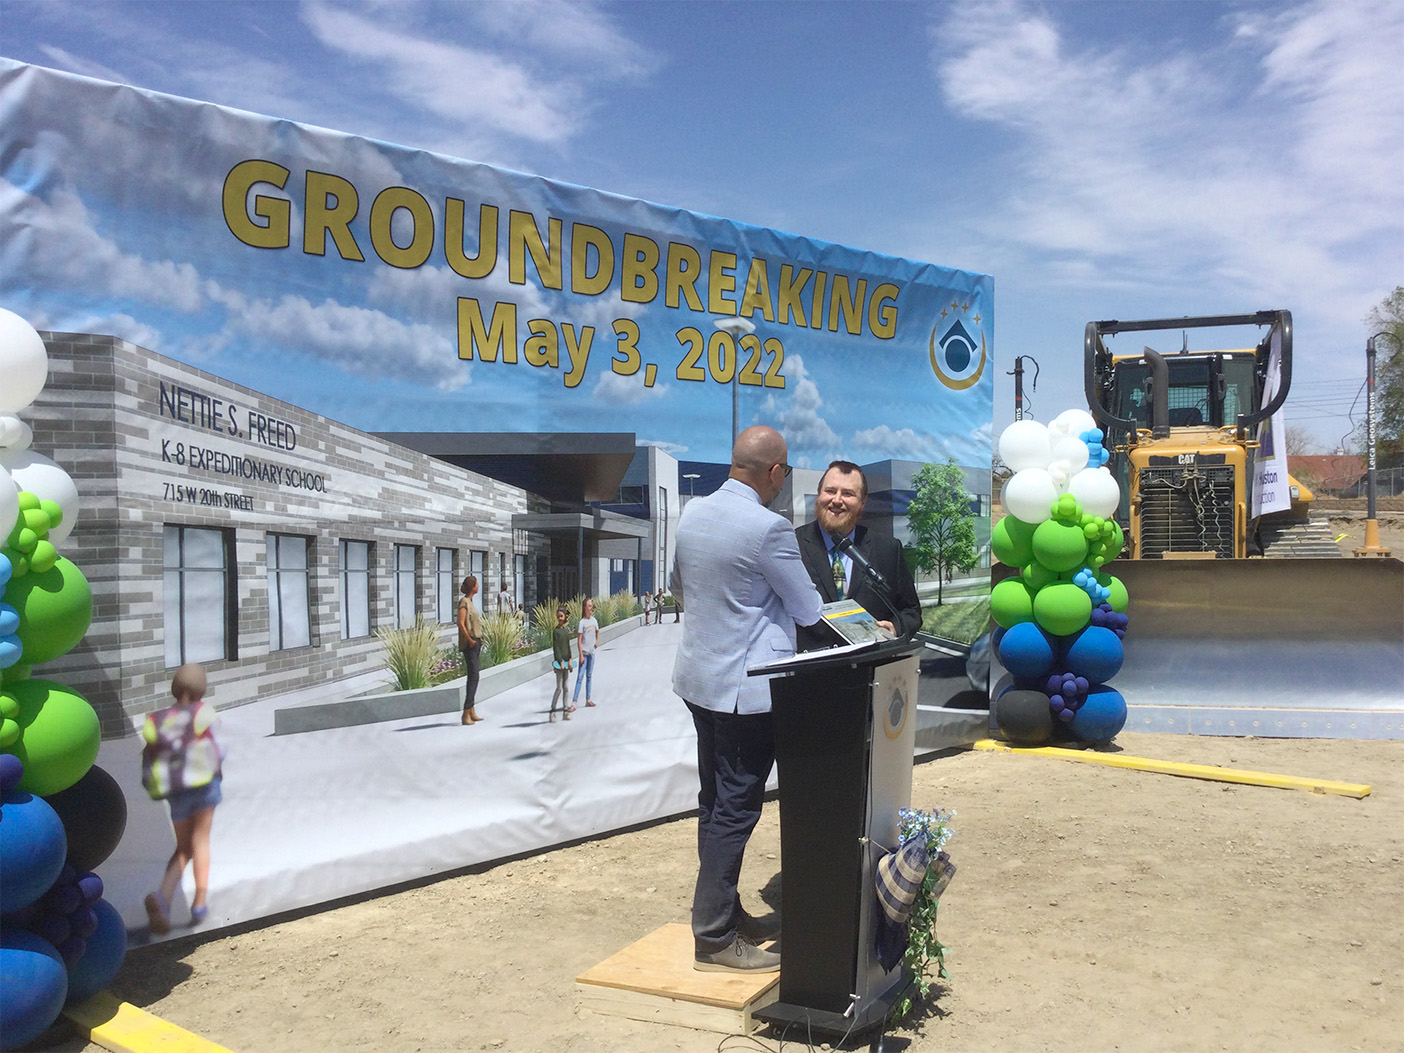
845	728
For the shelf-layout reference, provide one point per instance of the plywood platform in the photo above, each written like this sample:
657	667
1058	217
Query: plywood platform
654	980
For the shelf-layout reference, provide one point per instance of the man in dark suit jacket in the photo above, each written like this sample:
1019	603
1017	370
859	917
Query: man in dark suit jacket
843	493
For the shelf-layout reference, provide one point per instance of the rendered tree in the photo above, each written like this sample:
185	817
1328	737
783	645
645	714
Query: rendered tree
1387	318
943	525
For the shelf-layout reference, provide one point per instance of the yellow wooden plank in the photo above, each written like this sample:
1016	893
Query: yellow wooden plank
123	1028
1188	771
653	979
660	963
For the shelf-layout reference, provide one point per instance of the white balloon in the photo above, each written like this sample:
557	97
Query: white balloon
1096	491
1075	421
1061	472
48	482
1071	449
1025	444
9	505
11	430
24	363
1029	495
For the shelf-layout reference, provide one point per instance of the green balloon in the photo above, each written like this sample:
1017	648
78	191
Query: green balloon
55	608
1036	576
1011	541
1059	546
59	735
1062	609
1118	598
1011	602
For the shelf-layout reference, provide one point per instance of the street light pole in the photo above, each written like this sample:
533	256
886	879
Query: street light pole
736	328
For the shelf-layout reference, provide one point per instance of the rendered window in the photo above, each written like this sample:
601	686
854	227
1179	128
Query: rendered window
198	587
289	606
355	589
477	566
443	585
406	598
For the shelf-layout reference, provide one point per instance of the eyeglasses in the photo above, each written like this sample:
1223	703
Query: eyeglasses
787	468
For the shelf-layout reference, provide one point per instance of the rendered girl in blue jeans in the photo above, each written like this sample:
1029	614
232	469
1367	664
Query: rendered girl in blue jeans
587	634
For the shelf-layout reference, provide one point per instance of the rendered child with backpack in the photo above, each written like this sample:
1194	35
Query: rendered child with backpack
181	764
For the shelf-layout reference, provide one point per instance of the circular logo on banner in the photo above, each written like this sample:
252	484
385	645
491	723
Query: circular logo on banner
957	358
894	717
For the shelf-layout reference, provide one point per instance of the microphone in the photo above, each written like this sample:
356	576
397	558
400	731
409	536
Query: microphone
875	579
845	545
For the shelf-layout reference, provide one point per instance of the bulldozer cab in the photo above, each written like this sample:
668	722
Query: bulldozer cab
1182	429
1203	389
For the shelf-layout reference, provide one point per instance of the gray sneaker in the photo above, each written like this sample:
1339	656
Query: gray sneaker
741	955
759	930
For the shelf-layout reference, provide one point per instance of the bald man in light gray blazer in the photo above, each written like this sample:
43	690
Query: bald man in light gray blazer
744	588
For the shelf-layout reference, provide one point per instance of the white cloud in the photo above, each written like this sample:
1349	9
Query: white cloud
432	73
616	390
1265	167
800	421
356	339
54	243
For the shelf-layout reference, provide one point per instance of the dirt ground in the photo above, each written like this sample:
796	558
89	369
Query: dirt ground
1094	909
1348	526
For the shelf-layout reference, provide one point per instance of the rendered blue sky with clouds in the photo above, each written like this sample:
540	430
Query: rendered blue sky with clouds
1099	160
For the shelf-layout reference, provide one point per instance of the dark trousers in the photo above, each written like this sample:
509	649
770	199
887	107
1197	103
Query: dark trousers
472	658
735	754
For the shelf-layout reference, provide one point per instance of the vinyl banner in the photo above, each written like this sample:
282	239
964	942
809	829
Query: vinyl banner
1271	492
247	321
395	289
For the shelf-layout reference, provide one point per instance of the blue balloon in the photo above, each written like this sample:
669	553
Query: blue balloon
32	848
107	947
1026	650
1095	653
35	983
1101	716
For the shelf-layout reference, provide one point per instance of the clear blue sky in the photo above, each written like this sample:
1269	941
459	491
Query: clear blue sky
1100	160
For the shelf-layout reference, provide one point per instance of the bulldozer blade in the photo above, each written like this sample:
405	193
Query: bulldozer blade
1320	635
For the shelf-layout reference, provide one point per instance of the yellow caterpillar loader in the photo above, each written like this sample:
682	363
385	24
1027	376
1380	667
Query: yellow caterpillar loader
1218	642
1183	429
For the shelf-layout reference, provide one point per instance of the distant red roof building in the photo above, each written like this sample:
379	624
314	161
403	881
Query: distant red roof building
1328	471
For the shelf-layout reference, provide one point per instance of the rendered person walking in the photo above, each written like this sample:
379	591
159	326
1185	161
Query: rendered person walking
182	764
470	642
587	641
562	664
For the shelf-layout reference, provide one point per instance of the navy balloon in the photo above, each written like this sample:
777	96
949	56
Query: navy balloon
32	848
107	947
34	982
1101	716
1095	653
1026	650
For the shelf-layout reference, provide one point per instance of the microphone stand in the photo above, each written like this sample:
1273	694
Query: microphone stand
875	579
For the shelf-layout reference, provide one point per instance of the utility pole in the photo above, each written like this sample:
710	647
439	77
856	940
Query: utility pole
1372	546
1018	375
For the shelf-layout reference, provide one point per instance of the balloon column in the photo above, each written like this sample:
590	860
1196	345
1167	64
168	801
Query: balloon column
1061	619
60	816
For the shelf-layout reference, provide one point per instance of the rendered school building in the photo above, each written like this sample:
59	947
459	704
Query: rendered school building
221	525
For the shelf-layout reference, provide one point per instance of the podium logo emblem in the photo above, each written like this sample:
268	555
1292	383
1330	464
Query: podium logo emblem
894	717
